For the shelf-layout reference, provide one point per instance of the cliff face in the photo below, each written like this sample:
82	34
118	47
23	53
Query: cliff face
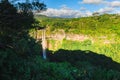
60	35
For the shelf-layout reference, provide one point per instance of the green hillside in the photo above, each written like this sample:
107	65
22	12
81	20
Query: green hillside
90	44
106	24
85	48
100	34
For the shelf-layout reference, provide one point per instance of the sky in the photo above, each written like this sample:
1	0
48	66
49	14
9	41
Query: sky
80	8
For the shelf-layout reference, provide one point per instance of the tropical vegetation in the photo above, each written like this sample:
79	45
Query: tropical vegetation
95	56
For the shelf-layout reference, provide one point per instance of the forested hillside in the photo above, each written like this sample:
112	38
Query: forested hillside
100	34
77	49
106	24
88	42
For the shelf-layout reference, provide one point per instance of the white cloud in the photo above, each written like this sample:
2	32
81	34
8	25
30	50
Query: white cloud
89	13
83	9
65	12
91	1
118	12
114	3
105	10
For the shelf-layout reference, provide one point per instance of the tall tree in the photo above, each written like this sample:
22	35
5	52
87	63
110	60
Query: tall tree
14	21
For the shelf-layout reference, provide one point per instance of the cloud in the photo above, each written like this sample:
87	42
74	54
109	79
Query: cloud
88	13
65	13
91	1
118	12
114	3
105	10
83	9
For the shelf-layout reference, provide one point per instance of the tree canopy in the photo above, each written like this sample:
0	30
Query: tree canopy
17	19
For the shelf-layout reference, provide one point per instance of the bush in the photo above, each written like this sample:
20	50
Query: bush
14	67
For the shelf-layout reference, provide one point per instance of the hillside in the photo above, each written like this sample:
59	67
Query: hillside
100	34
85	48
103	24
90	44
104	27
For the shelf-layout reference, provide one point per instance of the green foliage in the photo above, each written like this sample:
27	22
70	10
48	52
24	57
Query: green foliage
89	65
20	54
96	25
86	43
16	22
102	33
26	46
111	50
15	67
102	38
26	7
